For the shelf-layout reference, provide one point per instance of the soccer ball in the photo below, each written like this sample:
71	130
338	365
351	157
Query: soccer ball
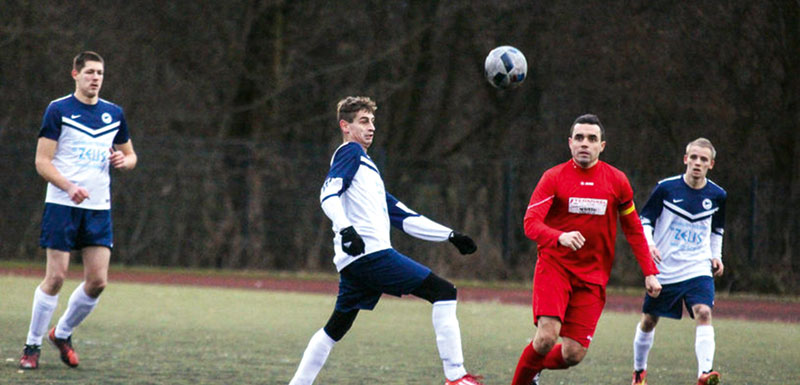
505	67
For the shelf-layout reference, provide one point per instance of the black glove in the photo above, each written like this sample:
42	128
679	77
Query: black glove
351	242
463	243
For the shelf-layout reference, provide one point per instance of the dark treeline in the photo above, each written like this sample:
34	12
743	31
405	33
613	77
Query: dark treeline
231	106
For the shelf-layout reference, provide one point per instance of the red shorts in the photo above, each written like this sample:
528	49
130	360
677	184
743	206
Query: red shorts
559	293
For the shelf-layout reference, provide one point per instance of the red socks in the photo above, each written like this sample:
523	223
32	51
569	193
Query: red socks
555	359
531	362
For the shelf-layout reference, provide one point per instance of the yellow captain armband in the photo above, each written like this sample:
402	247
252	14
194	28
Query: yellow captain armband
628	210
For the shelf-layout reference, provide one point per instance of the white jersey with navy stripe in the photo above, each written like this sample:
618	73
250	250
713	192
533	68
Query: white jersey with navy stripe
85	134
687	226
354	195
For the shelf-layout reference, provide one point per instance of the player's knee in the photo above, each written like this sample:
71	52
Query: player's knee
648	323
339	323
435	288
94	288
702	314
574	355
544	342
52	284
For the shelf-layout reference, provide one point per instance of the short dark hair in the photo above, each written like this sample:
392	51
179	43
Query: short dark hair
80	60
588	119
348	107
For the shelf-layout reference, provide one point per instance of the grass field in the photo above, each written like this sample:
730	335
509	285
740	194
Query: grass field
153	334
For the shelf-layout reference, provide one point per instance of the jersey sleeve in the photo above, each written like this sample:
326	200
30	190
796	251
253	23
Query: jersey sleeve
343	168
652	208
632	227
51	123
415	224
123	136
539	205
718	229
651	211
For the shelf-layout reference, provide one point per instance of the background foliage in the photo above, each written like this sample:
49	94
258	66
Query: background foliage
231	106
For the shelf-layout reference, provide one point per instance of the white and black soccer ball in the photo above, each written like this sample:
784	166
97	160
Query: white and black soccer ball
505	67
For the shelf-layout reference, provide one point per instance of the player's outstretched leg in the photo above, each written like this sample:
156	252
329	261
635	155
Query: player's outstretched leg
314	357
64	346
320	346
442	295
448	340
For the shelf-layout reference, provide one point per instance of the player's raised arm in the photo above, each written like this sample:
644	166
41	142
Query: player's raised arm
419	226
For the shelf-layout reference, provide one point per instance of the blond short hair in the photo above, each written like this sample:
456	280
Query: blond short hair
702	142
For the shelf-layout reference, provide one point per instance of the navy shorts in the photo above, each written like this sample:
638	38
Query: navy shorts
699	290
68	228
363	281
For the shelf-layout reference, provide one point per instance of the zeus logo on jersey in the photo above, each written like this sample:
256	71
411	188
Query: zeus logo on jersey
587	206
688	236
92	154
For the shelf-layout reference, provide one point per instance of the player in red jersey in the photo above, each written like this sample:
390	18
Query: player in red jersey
572	216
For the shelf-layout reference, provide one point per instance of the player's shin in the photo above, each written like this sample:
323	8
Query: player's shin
554	359
314	357
530	363
43	307
79	307
642	342
704	347
448	338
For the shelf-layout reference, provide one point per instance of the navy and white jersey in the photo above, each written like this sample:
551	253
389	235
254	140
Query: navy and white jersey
85	133
686	225
354	195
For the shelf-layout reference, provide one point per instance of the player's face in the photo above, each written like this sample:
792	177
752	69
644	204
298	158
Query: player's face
89	80
361	130
698	161
586	144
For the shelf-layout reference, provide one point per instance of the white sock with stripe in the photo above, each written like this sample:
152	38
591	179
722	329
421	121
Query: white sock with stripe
80	305
642	342
448	339
704	347
314	357
43	307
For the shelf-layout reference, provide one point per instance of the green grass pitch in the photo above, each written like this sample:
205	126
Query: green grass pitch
154	334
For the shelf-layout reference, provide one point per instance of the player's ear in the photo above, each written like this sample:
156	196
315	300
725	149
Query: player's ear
74	74
344	126
711	164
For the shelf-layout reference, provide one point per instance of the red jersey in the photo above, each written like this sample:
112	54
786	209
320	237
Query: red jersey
571	198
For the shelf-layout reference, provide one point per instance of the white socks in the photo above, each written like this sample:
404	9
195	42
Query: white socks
704	346
80	305
314	357
448	339
642	342
43	307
